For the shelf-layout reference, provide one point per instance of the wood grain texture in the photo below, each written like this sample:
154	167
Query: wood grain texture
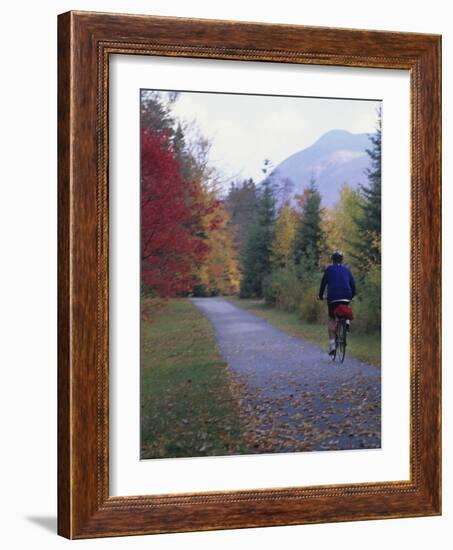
85	42
64	390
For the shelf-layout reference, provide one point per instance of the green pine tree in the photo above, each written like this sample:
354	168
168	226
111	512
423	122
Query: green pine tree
155	111
258	249
242	205
368	245
309	234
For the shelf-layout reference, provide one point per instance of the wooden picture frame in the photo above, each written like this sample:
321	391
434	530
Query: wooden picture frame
85	42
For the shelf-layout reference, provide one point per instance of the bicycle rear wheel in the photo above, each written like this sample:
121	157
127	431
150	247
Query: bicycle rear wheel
336	351
333	354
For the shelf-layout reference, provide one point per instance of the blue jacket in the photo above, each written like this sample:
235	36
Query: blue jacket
340	283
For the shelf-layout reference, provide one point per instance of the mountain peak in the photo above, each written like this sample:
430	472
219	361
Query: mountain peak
341	139
334	135
338	156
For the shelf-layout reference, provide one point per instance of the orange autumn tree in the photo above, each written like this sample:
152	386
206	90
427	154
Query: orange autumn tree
219	273
284	237
186	242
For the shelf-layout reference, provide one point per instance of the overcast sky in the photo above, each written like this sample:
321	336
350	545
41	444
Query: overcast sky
246	129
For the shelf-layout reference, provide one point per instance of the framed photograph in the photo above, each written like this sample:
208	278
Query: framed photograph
249	275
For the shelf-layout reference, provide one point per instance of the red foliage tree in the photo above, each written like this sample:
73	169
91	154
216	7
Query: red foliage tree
172	213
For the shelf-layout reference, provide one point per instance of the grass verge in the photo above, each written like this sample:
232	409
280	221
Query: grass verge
366	347
187	408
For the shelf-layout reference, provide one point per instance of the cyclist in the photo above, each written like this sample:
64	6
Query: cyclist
340	288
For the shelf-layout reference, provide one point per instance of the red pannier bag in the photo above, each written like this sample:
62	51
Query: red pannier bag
344	310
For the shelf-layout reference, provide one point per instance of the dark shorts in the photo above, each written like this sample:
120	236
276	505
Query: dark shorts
331	308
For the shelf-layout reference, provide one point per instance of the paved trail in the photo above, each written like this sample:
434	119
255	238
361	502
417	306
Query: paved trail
292	397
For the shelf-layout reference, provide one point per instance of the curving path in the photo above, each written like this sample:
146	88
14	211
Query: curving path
291	396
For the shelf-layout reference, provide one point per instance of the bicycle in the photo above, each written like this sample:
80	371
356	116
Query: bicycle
341	332
340	339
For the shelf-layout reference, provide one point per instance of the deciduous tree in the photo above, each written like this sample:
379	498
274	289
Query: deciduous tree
170	209
284	235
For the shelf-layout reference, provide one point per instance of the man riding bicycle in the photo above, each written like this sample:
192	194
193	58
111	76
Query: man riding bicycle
340	289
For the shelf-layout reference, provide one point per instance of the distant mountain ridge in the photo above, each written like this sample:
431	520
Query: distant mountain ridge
336	157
